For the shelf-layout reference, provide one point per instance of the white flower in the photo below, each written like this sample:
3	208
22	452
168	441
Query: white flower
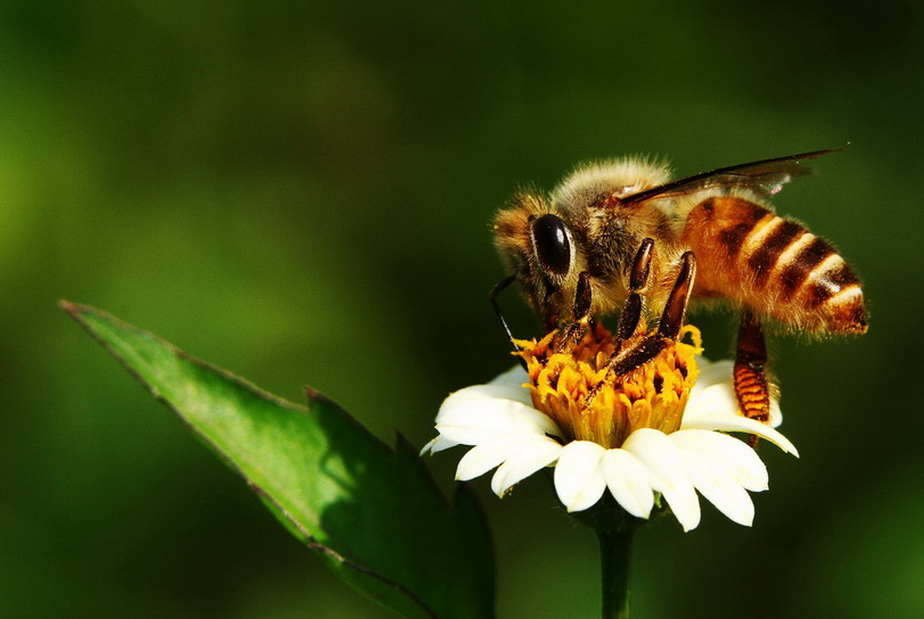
508	433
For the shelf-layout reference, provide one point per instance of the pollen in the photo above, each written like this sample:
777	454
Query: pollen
579	390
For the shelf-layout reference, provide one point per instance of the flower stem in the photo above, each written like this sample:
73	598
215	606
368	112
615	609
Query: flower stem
615	549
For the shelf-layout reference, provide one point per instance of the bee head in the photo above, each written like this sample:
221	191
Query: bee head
552	246
539	249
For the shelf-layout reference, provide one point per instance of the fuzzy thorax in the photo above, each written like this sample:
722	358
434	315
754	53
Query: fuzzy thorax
590	403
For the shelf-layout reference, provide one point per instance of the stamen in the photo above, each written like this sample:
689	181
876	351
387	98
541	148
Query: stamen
651	396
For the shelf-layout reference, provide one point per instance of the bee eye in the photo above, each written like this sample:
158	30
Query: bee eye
552	244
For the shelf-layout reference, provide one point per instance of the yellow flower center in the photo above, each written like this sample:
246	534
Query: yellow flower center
590	402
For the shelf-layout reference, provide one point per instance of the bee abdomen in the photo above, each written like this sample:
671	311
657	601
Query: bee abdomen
778	267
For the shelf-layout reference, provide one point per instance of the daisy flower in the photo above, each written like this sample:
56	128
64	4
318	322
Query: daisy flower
659	430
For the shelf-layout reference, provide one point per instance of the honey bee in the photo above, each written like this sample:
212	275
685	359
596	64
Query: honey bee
621	234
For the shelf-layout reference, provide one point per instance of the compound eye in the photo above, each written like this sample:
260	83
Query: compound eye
552	243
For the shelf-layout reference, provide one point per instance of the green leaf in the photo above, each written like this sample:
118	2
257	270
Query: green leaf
373	514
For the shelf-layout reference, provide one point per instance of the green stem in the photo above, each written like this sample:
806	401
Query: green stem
615	549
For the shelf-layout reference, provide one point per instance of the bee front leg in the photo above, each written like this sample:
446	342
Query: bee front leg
638	280
500	287
752	388
624	361
631	311
580	314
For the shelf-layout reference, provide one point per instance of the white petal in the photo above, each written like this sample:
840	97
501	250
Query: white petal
714	483
438	444
714	394
628	482
474	421
737	458
718	399
658	455
524	458
713	372
514	377
579	477
738	423
481	393
661	458
482	458
776	415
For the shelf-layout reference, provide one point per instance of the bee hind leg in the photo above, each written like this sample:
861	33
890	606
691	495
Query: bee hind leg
752	388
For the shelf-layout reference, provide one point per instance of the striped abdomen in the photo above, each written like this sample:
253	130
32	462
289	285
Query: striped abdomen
773	265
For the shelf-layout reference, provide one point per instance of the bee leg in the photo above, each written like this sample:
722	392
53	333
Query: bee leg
500	287
631	311
624	360
752	389
638	280
580	314
668	329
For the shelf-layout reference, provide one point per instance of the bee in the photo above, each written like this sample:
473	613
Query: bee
622	234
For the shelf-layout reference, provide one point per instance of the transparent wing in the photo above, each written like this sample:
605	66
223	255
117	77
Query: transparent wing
765	177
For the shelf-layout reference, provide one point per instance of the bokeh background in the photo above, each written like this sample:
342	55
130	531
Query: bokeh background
300	192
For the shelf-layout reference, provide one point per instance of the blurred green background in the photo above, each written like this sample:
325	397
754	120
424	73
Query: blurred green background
300	192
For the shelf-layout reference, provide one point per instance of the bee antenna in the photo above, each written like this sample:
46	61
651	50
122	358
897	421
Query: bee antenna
499	288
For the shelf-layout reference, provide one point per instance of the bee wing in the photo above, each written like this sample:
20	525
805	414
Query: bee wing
765	177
